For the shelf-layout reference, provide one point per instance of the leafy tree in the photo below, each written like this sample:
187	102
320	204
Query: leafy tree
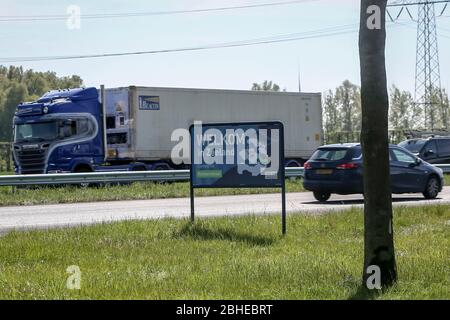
378	230
349	102
445	112
331	115
403	112
440	114
16	94
18	85
266	86
342	112
15	73
35	83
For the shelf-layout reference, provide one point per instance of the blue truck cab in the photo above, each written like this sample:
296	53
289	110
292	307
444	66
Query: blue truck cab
60	132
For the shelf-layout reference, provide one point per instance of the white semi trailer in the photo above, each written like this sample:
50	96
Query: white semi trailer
130	128
141	120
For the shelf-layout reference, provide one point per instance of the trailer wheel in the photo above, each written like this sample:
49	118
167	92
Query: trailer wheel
160	168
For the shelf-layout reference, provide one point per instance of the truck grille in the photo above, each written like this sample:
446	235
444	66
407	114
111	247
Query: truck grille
31	161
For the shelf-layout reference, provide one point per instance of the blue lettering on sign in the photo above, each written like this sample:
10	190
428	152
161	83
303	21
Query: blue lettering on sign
149	102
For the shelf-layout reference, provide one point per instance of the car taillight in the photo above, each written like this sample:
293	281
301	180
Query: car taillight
307	166
346	166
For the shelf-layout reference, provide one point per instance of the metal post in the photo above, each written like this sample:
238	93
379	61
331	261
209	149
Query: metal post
8	157
1	156
105	140
192	203
283	182
191	186
283	207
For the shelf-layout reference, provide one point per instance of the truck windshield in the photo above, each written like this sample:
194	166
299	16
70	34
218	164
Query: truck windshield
40	131
413	146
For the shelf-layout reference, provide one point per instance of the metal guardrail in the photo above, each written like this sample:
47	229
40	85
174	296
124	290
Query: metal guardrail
94	177
108	177
444	167
123	176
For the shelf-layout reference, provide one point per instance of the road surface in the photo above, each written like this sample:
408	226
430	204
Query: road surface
62	215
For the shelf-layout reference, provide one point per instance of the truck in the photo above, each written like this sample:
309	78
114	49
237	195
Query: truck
130	128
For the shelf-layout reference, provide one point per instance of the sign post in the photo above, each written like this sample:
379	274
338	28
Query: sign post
238	155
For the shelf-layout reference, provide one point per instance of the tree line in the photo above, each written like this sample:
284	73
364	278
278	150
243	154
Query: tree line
18	85
341	106
342	111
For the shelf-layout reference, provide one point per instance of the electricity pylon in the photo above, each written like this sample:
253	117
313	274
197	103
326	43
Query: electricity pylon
428	92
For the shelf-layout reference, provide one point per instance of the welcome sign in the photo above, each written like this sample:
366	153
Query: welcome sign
237	155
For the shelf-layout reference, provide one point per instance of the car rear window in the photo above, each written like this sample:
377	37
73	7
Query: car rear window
329	154
357	153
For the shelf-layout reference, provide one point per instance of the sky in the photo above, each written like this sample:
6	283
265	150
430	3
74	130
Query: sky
322	62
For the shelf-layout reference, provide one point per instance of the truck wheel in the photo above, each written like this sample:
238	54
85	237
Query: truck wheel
81	170
321	196
161	168
432	188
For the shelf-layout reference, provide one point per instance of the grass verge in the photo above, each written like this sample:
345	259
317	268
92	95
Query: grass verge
226	258
134	191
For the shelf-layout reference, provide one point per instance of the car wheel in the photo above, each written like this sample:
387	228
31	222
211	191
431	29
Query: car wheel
321	196
432	188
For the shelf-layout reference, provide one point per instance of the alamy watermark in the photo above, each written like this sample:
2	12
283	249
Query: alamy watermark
374	280
74	279
248	149
373	22
73	21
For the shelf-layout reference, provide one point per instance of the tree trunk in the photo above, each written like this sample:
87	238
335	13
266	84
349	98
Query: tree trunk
378	230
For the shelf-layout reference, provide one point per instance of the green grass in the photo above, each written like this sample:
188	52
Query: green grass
226	258
135	191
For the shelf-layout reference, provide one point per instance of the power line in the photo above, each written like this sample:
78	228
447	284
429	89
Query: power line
404	3
249	42
415	28
151	13
326	32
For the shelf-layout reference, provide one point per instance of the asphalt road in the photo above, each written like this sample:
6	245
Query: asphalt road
63	215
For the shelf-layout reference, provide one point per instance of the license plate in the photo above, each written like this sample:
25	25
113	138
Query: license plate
324	171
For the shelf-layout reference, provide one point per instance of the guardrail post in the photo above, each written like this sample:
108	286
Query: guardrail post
2	153
1	157
8	157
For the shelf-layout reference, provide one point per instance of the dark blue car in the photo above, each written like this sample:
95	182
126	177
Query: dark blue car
338	168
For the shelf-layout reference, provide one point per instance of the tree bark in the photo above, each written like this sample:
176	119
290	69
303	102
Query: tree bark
378	229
